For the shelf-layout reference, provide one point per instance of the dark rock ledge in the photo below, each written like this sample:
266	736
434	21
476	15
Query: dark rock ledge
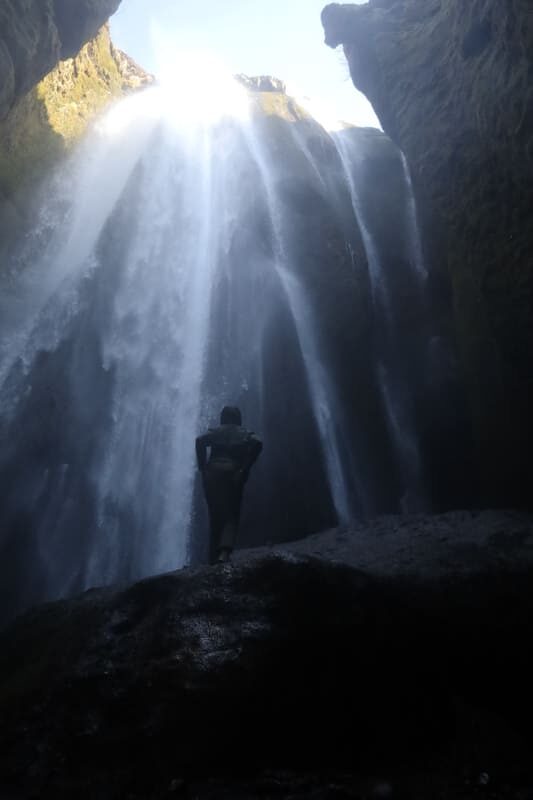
386	661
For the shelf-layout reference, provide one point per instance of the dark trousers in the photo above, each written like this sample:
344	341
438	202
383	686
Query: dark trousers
223	491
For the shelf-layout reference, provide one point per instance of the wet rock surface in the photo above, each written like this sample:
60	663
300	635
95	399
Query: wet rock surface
451	84
338	666
461	544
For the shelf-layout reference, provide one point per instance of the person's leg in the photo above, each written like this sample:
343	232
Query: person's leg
224	555
223	494
227	541
214	494
229	531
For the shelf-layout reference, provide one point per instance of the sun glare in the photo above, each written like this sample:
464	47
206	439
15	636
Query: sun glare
193	89
198	88
131	111
319	110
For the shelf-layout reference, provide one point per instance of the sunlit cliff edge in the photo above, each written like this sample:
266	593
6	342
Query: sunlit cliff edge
45	122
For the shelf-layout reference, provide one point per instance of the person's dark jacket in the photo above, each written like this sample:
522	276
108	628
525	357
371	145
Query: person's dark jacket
230	444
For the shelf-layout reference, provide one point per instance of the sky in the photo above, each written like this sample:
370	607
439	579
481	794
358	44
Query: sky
283	38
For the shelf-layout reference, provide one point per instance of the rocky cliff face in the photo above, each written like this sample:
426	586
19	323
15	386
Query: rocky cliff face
47	120
451	83
36	34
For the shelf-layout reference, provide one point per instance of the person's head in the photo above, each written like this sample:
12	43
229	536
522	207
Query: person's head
230	415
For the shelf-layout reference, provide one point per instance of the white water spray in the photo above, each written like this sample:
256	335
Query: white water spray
397	399
415	243
321	387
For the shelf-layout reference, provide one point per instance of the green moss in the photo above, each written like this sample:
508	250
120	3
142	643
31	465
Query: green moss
54	115
29	145
78	89
278	104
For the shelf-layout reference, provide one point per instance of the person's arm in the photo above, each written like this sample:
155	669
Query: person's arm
202	443
254	450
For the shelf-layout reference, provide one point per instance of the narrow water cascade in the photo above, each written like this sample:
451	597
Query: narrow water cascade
396	385
321	386
193	254
350	157
415	243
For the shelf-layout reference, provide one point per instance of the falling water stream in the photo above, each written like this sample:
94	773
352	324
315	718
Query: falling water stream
396	393
162	280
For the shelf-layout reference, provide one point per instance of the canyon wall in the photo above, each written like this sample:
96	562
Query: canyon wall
45	122
451	84
36	34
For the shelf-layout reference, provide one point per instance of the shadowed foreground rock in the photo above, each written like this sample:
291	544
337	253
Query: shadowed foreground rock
286	675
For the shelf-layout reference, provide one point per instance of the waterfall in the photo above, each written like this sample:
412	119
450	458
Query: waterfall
415	243
322	389
190	254
396	392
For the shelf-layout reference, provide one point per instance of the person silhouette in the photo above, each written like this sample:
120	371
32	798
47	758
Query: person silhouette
233	451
